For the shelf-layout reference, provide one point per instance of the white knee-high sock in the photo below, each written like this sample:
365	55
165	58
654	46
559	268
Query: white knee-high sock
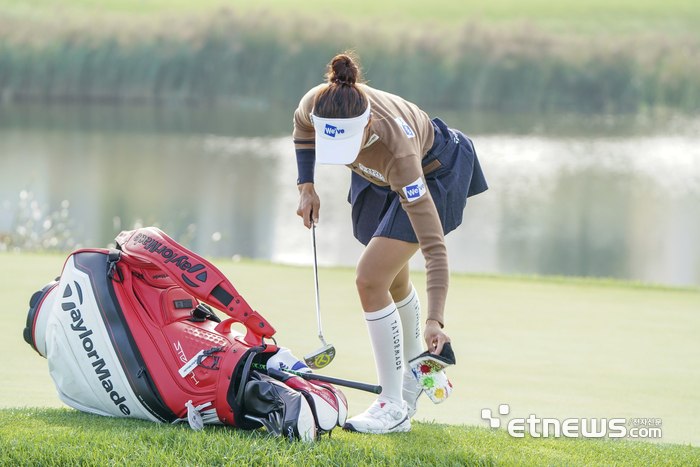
385	333
409	310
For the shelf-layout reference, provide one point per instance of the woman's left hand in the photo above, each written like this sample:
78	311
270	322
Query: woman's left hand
435	337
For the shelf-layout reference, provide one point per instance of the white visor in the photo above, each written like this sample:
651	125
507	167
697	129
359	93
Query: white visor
338	140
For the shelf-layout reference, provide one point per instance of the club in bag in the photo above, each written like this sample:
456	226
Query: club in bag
319	358
373	388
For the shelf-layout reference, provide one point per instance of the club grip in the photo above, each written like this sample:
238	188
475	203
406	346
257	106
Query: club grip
376	389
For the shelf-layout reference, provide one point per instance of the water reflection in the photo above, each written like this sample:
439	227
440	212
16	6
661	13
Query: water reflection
617	207
573	196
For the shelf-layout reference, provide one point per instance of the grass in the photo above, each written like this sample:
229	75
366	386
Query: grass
558	348
59	437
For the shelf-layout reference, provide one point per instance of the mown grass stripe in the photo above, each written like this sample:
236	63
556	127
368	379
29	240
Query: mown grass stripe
60	437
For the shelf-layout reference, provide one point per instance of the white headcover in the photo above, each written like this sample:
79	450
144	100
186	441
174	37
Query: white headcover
338	140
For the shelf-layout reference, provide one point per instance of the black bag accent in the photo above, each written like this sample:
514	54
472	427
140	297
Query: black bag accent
236	390
279	408
258	400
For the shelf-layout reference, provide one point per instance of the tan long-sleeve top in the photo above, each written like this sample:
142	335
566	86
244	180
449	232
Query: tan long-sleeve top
398	137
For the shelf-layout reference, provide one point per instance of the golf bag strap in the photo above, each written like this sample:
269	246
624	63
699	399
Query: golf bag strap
223	410
195	275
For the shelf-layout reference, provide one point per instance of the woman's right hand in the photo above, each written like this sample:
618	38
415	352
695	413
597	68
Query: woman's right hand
309	203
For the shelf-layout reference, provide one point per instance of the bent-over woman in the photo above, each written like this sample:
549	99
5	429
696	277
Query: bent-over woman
411	177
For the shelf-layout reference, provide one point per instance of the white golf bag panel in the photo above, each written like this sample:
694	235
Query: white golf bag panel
82	362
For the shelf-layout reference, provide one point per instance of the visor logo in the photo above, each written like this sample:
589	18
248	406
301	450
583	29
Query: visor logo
332	131
414	190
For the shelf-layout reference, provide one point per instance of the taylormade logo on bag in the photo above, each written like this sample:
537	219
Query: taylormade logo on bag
414	190
78	325
331	130
154	246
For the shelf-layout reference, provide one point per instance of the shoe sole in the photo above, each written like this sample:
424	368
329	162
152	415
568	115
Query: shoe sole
401	427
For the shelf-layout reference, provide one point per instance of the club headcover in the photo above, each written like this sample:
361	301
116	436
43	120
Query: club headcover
428	370
279	408
285	360
323	402
340	397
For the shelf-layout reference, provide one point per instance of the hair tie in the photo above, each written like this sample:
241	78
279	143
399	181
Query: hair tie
340	81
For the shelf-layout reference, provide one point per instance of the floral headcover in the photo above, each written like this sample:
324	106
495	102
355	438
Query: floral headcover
428	370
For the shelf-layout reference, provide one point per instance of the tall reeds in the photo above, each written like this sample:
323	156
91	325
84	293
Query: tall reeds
265	61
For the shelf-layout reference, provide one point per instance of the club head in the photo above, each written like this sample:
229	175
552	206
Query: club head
320	358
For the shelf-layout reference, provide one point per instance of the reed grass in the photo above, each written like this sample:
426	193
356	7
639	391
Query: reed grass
589	17
265	60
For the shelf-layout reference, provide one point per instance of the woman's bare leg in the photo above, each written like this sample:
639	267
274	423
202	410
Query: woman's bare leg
401	287
381	270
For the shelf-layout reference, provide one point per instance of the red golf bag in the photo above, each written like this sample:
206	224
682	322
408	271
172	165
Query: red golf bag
130	332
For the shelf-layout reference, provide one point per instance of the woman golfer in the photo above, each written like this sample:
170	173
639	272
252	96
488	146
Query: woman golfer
411	177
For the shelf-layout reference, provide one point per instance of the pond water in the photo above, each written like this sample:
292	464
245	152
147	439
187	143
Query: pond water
612	196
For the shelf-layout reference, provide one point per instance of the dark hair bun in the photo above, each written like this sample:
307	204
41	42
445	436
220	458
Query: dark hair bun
341	99
344	70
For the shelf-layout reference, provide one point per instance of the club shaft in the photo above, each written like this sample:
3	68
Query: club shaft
376	389
318	300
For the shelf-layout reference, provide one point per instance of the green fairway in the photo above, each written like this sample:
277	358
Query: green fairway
621	16
555	348
56	437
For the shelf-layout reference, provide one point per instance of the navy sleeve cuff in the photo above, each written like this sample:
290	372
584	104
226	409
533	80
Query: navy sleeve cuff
306	161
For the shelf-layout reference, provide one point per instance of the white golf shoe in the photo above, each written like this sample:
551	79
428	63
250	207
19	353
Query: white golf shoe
381	417
412	390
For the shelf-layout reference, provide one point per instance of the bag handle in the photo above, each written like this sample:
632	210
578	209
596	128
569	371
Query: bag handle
196	275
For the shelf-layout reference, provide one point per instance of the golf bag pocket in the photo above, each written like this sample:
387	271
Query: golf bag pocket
428	369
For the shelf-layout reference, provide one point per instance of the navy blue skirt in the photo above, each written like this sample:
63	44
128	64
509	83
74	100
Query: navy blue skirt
377	211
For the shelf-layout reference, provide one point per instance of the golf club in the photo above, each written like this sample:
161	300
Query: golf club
321	357
376	389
